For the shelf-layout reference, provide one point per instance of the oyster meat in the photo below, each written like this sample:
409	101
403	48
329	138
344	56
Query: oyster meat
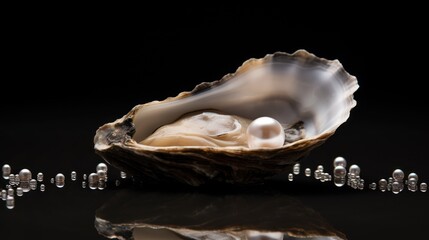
201	129
199	137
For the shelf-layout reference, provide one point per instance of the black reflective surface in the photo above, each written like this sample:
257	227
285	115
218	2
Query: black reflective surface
72	212
61	94
239	214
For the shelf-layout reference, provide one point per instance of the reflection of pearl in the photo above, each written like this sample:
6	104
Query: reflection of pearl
265	132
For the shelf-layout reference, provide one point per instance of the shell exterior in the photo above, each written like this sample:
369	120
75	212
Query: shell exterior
288	87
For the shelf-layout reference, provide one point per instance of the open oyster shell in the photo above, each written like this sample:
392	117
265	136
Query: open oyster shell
287	87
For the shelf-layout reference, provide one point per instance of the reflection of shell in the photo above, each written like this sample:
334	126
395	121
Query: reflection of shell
187	215
288	87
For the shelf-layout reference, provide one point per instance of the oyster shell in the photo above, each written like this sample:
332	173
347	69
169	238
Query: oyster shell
287	87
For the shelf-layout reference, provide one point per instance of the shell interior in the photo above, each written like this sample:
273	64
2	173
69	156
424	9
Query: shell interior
288	88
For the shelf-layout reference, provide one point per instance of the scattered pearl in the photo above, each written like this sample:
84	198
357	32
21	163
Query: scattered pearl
354	169
19	192
382	185
102	167
398	175
423	187
296	168
307	172
60	180
93	181
40	177
6	169
73	176
33	184
340	161
25	175
413	175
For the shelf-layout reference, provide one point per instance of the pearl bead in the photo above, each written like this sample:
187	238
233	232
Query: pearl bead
413	175
265	132
354	169
340	161
398	175
25	175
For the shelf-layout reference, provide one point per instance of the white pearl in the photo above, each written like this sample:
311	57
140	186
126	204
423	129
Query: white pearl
340	161
398	175
265	132
413	175
354	169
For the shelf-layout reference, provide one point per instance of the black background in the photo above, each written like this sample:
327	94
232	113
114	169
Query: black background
66	74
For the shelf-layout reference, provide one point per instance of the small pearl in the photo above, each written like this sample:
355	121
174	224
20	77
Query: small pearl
398	175
6	171
25	175
296	168
382	185
290	177
307	172
265	132
102	166
423	187
354	169
40	177
340	161
60	180
413	175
